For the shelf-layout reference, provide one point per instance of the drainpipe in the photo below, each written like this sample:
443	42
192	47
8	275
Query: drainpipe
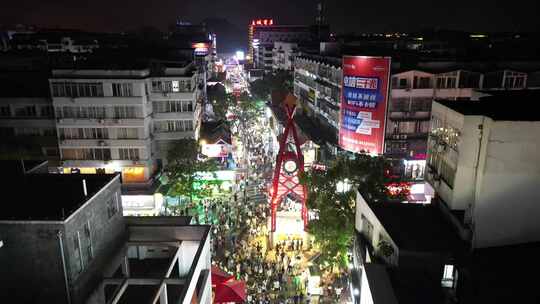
61	245
475	181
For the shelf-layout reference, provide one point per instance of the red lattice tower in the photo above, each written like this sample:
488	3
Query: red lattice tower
289	165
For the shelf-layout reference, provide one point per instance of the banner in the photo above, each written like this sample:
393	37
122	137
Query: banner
364	99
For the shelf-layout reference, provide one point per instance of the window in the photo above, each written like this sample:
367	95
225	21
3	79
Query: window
71	133
403	83
448	173
5	111
86	154
84	133
127	133
128	153
47	111
26	111
88	237
367	228
77	89
173	106
514	80
174	126
122	89
81	112
447	82
49	132
425	83
95	133
28	131
175	86
6	131
112	206
124	112
77	253
449	277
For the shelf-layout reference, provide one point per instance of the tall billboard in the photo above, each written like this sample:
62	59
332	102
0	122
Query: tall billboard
364	99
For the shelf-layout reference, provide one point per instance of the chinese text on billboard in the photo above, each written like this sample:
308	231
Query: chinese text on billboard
363	103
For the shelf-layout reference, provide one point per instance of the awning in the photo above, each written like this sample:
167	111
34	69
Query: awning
219	276
230	291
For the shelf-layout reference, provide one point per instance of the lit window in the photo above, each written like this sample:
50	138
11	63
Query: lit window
449	277
175	86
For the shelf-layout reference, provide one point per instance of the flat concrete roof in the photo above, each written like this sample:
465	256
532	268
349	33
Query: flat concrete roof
48	197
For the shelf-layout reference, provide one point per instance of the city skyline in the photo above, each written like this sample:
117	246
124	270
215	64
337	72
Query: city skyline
344	17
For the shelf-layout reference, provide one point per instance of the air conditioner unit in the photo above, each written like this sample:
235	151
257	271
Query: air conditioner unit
59	120
101	121
102	143
165	94
118	121
407	89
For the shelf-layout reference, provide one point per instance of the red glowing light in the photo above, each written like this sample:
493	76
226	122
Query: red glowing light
259	22
265	21
271	21
253	22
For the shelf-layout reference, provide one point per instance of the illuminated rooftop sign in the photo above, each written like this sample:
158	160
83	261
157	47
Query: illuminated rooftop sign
262	22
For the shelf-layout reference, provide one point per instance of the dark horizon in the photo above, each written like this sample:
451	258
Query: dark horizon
347	16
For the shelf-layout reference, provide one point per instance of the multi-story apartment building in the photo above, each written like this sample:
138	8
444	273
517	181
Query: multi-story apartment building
66	241
124	120
317	85
27	124
283	55
262	35
176	106
483	163
104	122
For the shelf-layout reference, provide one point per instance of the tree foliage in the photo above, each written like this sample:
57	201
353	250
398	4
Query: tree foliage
182	168
334	228
261	88
220	100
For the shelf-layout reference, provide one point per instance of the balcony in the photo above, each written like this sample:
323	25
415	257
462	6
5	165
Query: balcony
106	122
399	115
98	100
410	92
105	143
173	135
173	115
185	95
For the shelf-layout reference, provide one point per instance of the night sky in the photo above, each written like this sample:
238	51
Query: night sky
343	15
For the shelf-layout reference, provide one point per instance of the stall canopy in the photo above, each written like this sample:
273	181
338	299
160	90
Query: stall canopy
230	291
219	276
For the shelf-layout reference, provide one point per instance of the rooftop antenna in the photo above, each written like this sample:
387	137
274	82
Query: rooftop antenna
63	214
22	165
85	191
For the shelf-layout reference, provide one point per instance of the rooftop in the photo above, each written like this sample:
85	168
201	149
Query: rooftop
498	105
49	197
21	167
417	227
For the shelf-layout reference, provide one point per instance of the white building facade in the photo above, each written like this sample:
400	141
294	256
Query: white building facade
123	120
487	165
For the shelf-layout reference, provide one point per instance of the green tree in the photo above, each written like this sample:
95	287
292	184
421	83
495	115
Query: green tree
261	88
334	228
182	168
221	102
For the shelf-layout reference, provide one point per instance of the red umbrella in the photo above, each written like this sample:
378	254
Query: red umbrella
231	291
219	276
